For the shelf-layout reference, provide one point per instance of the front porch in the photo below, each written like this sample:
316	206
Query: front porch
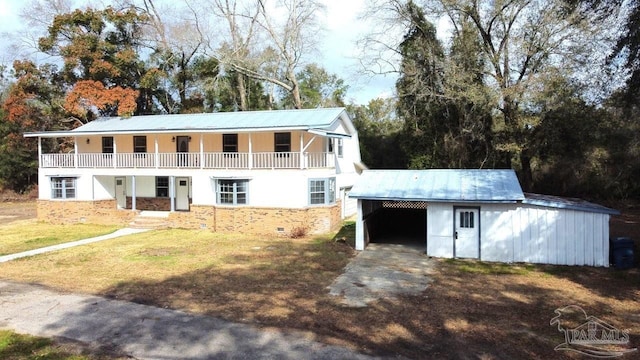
203	160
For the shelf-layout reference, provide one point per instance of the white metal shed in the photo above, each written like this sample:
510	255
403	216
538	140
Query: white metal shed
484	214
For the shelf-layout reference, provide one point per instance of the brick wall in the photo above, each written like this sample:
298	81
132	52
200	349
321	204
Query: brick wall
240	219
92	212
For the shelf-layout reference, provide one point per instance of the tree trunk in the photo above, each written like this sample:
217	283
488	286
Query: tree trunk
526	175
295	89
242	91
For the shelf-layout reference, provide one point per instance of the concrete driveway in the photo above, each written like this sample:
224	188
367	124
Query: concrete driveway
146	332
383	271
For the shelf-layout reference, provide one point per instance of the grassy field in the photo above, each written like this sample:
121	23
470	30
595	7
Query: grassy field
17	346
28	234
471	308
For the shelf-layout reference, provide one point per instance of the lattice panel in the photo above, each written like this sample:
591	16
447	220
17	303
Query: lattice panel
418	205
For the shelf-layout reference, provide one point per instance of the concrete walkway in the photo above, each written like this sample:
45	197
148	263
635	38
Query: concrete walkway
147	332
382	271
115	234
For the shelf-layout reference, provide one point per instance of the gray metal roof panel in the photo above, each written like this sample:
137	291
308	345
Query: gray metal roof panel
303	119
447	185
306	118
566	203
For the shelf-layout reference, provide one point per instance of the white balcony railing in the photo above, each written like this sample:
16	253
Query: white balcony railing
262	160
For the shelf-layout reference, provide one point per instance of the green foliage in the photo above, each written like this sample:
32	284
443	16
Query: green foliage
443	100
380	134
318	88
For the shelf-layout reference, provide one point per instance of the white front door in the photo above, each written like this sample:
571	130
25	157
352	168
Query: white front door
182	193
467	233
121	192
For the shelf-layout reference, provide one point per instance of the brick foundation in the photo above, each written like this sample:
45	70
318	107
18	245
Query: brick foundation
103	212
251	220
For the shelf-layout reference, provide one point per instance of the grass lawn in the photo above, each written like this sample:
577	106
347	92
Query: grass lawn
18	346
470	310
29	234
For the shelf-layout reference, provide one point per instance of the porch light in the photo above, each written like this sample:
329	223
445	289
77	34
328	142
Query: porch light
173	139
88	140
189	138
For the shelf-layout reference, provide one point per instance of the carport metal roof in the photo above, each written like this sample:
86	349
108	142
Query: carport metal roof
442	185
567	203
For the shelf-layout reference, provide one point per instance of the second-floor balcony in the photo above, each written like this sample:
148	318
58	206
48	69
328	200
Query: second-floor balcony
204	160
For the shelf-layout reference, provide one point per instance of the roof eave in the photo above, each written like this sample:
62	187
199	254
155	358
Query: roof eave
73	133
492	201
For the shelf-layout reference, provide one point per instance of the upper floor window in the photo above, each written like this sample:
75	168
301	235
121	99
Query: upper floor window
230	143
322	191
139	144
340	147
63	188
107	144
282	142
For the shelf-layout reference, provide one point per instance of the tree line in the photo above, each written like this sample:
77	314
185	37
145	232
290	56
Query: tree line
548	88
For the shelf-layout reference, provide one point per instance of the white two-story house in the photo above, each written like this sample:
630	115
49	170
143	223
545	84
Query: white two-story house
254	172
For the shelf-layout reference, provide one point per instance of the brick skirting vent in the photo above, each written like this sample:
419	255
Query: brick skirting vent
416	205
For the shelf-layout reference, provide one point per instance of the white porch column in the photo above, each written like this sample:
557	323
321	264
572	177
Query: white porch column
359	227
201	151
115	153
75	151
39	151
302	159
157	156
250	152
172	192
133	192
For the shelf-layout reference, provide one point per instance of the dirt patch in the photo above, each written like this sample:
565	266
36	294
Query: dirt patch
11	211
470	310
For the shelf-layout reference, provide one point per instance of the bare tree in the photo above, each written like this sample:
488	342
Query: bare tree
236	46
287	32
522	42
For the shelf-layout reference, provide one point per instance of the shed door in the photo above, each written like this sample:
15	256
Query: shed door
467	233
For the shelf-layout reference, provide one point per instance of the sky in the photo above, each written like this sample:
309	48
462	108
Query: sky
337	55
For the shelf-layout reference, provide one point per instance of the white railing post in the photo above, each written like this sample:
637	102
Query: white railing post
115	153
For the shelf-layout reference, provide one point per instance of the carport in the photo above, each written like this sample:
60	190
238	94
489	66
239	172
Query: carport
393	205
396	222
478	214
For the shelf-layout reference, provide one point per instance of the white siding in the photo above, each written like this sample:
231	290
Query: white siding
496	223
440	230
526	233
349	205
104	187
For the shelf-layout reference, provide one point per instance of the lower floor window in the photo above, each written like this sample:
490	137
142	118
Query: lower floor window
162	186
322	191
63	188
232	192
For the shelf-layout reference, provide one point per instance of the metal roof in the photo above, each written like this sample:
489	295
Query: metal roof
303	119
566	203
444	185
